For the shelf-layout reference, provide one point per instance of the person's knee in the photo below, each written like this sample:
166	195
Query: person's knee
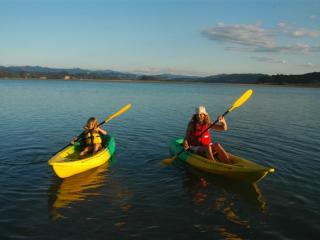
219	147
84	152
96	147
215	145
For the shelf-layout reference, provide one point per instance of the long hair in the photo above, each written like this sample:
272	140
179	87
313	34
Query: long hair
94	121
206	121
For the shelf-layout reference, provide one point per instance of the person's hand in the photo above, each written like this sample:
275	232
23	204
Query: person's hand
101	131
222	122
73	141
221	119
185	145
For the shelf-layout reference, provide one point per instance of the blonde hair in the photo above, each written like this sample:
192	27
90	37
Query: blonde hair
207	120
94	121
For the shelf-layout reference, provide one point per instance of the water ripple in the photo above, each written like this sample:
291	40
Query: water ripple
136	196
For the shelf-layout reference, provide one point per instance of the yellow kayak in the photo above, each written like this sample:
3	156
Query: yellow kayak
241	169
67	163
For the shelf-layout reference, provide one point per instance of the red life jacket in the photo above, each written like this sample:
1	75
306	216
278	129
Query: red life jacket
195	138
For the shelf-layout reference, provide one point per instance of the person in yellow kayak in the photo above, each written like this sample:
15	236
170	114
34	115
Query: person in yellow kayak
198	140
91	137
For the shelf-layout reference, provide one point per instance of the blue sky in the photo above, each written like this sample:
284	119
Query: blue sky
194	37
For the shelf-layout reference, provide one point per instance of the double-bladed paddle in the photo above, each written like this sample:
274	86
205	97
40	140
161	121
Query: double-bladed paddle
239	102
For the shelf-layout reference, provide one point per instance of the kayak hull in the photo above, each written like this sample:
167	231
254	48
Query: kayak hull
242	169
67	162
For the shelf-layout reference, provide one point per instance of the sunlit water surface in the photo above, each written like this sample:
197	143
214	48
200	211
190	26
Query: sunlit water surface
136	196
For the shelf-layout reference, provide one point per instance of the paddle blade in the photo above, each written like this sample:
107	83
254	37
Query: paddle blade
122	110
168	161
241	100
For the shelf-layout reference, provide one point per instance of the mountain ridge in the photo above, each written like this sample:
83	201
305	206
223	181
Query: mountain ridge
38	72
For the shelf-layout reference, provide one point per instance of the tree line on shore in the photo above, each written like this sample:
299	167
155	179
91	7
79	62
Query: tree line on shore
27	72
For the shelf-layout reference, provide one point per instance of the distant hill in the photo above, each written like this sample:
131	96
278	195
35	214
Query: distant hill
221	78
234	78
38	72
60	73
303	79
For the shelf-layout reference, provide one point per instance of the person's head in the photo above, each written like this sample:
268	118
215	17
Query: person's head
92	123
201	115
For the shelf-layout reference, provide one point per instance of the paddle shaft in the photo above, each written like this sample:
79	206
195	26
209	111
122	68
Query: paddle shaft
239	102
214	123
77	138
91	130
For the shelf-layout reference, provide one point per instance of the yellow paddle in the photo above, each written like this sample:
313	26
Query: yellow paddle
122	110
239	102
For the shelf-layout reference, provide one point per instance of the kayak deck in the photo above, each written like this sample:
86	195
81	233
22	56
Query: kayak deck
67	162
241	169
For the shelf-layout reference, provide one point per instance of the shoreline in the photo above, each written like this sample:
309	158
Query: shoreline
166	82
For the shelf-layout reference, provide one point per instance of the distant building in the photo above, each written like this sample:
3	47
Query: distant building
67	77
42	77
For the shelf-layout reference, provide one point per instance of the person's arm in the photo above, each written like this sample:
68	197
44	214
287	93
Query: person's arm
221	125
185	140
79	138
102	131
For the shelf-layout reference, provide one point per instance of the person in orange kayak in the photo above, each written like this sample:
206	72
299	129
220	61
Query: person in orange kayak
198	140
91	137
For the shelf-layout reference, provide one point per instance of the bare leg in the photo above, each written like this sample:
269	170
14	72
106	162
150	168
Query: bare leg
222	154
209	152
206	151
85	151
96	148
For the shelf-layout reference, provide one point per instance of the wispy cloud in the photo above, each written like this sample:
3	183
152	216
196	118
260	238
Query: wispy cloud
251	35
313	17
268	60
254	38
297	32
293	49
307	65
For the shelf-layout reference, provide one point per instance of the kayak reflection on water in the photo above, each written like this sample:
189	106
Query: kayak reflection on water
76	188
201	183
219	200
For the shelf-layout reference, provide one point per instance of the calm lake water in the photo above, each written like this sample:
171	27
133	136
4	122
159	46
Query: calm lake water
136	196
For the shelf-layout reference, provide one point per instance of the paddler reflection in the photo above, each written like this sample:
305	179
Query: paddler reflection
201	185
211	193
